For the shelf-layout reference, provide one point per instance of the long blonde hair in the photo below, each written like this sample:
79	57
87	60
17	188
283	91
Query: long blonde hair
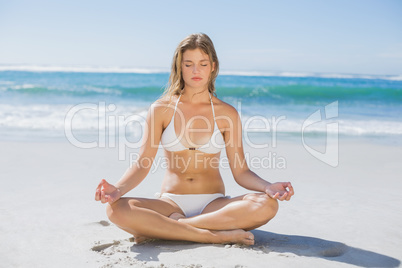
193	41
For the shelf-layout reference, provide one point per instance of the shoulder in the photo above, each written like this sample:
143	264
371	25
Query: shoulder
224	109
163	105
161	111
226	115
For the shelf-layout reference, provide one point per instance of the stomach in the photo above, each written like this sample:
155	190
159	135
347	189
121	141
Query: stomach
192	172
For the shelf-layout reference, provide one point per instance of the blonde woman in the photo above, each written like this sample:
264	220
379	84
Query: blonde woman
193	126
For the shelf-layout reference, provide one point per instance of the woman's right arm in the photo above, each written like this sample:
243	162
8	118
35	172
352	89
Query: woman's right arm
136	173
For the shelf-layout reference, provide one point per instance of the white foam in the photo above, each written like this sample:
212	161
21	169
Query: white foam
23	86
51	119
102	90
347	127
312	74
259	73
12	86
395	78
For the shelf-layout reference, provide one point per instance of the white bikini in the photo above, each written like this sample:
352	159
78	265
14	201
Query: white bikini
192	204
172	143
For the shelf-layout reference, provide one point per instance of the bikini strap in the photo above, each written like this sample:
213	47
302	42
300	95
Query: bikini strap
177	102
212	104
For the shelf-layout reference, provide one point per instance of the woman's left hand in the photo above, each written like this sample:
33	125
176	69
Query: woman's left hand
280	190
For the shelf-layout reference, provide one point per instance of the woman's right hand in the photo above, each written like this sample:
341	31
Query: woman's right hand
106	192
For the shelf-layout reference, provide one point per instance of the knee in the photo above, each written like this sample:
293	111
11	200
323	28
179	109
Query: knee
263	208
118	211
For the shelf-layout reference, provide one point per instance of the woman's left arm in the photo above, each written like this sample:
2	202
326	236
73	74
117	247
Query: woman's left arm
238	165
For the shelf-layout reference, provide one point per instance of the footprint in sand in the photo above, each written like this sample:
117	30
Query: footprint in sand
335	251
104	223
101	247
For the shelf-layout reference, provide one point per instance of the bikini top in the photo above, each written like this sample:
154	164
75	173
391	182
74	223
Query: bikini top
171	142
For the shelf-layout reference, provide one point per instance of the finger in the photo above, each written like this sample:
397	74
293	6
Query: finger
290	193
107	186
110	199
101	184
97	195
105	183
103	197
283	197
275	196
291	190
99	189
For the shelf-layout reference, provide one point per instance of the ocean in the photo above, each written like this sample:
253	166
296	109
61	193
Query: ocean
38	103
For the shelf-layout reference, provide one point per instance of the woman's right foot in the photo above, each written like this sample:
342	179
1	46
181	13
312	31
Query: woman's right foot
238	236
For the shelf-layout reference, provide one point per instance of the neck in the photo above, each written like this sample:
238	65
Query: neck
196	95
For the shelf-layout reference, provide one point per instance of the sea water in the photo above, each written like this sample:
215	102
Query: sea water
99	105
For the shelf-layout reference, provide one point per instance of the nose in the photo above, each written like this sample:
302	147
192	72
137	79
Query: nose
195	69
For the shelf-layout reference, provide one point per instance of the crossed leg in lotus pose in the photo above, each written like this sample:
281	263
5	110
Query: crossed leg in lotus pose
224	220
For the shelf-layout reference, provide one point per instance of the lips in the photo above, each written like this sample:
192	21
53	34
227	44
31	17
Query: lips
196	78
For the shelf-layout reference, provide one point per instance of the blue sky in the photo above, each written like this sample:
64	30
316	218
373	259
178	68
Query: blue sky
344	36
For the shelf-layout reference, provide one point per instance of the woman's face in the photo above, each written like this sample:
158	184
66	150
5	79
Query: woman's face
196	68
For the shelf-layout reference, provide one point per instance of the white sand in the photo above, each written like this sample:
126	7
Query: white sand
339	217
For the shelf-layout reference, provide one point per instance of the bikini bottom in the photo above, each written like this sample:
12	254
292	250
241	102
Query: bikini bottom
192	204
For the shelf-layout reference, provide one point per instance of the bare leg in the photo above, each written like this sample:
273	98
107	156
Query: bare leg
140	239
244	212
149	218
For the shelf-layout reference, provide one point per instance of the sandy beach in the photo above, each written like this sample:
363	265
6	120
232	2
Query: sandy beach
344	216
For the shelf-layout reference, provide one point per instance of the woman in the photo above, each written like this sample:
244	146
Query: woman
193	126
